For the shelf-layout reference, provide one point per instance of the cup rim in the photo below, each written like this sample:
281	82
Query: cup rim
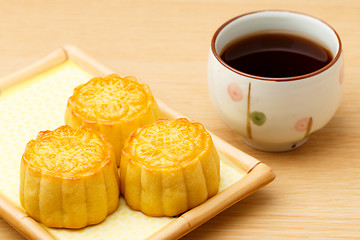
283	79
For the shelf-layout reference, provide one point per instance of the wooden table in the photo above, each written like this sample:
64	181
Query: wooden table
316	193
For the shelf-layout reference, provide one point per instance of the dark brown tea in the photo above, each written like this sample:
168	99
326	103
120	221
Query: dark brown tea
275	55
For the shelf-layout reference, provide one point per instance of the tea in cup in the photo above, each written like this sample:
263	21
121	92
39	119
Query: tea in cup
275	77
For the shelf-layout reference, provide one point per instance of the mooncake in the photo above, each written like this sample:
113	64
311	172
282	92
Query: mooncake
169	167
69	178
113	105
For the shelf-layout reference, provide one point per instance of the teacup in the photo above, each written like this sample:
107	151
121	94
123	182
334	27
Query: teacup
275	114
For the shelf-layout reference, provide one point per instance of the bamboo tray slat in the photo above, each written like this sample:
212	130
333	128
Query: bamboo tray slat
256	174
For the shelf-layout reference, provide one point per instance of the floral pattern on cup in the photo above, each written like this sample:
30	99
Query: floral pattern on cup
235	92
302	124
341	76
258	118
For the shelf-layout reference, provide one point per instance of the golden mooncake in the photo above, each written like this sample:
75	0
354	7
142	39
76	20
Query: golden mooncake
69	178
169	167
113	105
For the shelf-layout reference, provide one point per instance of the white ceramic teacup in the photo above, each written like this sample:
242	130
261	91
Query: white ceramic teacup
275	114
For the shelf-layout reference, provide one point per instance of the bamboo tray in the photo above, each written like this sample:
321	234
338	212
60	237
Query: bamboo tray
34	99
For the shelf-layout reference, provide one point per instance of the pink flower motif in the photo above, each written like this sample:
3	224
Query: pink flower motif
235	92
341	76
302	125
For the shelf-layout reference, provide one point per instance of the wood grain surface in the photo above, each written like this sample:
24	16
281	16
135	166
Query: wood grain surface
316	194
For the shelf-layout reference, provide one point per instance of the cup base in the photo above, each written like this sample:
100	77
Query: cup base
273	147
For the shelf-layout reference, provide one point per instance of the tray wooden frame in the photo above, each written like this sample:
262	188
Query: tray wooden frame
257	174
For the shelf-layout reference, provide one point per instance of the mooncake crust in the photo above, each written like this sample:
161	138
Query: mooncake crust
68	178
111	99
113	105
169	167
68	153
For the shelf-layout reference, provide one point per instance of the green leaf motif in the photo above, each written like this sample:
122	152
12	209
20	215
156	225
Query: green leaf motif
258	118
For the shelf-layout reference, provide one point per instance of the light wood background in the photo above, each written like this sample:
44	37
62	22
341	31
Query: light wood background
316	194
